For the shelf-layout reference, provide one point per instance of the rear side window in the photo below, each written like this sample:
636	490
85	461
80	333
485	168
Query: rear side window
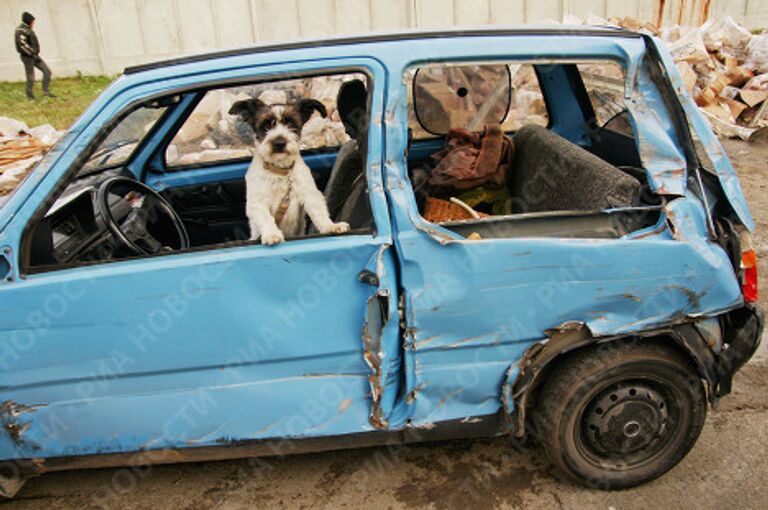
508	180
604	82
469	96
210	134
527	104
461	96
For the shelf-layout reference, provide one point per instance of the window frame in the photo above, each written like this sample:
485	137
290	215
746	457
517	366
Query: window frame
161	151
414	68
70	174
452	64
139	146
592	111
582	98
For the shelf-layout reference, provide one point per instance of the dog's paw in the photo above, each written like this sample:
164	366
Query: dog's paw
336	228
272	238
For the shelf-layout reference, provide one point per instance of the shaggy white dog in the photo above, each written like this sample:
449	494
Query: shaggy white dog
279	184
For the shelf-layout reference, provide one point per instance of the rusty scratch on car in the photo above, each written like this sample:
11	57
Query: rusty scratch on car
448	397
562	338
377	313
11	419
410	398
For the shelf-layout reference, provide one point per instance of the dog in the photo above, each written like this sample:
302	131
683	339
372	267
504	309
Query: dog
279	184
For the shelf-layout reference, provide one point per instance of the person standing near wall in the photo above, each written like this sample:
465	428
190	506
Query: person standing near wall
29	49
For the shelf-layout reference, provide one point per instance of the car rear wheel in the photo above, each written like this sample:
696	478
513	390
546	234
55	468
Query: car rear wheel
620	414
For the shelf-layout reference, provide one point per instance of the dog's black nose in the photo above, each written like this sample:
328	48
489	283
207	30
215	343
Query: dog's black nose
279	145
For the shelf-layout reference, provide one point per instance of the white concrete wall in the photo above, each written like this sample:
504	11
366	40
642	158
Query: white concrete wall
105	36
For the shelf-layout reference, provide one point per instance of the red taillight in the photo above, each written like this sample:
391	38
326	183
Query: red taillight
748	267
749	275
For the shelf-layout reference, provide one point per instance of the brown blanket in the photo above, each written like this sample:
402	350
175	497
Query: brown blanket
473	159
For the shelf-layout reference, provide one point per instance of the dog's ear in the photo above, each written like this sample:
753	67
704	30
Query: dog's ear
247	109
306	107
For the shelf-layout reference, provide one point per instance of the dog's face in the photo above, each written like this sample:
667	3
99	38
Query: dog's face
277	127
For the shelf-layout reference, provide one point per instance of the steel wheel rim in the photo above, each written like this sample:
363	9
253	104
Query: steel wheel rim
628	423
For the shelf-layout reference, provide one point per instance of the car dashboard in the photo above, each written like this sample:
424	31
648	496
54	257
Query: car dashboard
70	230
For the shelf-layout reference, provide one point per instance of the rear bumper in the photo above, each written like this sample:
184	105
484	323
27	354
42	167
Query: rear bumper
742	332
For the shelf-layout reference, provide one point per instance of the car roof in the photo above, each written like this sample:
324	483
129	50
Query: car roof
384	37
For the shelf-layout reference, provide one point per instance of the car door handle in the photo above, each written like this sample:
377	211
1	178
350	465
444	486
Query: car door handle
368	277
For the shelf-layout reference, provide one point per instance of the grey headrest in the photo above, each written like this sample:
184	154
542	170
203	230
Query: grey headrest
352	103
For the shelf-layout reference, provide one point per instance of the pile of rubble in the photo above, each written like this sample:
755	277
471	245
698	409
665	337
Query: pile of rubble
20	150
725	68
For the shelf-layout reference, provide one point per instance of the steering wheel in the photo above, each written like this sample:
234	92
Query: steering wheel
139	218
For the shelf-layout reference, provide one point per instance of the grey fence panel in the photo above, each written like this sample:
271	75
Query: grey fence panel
105	36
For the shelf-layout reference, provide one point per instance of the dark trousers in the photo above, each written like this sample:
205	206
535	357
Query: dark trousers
29	68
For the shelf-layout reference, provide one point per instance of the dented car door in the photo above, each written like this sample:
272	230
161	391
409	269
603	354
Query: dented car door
205	348
479	294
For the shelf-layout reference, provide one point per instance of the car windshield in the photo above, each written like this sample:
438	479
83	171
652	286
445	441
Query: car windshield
121	142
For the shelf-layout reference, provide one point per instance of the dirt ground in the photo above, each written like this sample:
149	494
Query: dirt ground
726	469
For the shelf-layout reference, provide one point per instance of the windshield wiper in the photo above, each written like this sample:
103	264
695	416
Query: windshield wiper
107	153
111	148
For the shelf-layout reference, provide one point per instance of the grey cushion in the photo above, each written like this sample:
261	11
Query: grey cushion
346	169
357	209
552	174
349	167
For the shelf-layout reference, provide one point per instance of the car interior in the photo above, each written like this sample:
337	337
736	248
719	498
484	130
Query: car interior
168	175
574	169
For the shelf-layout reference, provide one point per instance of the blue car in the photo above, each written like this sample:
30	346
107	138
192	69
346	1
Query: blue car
546	241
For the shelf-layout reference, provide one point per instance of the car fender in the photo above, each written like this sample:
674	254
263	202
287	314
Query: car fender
717	348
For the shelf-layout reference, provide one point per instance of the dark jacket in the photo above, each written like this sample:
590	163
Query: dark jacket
26	41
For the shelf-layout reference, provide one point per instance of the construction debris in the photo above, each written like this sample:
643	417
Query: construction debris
723	66
21	148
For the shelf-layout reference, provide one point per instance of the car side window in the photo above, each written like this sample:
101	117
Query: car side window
442	98
604	83
106	213
119	145
210	134
527	105
504	171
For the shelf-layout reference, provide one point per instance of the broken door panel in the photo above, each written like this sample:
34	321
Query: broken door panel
381	336
722	165
473	307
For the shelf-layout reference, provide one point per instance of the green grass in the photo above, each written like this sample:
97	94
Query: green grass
73	97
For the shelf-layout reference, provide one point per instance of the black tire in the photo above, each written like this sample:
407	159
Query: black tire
620	414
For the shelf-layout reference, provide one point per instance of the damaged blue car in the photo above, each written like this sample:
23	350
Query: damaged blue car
546	241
